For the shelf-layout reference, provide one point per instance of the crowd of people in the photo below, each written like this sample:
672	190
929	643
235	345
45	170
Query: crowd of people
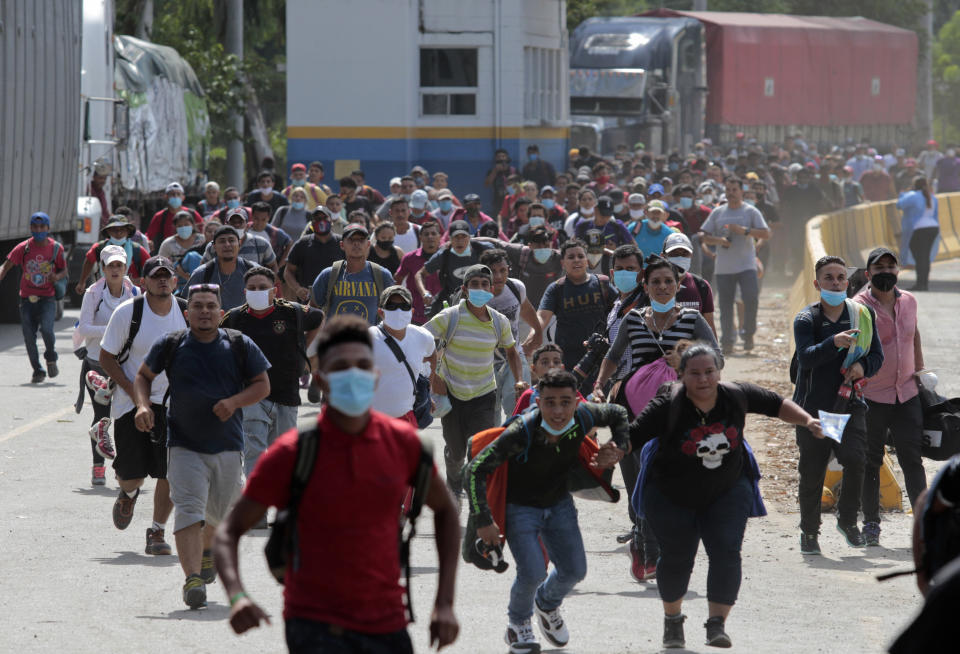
570	301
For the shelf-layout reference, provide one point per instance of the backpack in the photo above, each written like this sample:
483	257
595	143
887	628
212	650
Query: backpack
817	326
135	321
379	282
170	343
283	549
230	321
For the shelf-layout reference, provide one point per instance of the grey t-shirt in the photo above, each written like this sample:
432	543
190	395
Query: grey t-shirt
508	304
742	253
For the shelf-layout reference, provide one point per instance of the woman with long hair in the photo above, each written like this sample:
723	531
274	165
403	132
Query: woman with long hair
920	228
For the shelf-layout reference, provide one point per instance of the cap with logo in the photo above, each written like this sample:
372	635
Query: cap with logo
471	197
676	241
605	206
154	264
173	187
655	188
354	228
459	227
656	205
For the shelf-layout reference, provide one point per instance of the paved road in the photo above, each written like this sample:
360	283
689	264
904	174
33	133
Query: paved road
73	583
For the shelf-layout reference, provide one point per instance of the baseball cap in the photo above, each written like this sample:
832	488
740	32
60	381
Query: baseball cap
396	289
111	253
477	270
877	253
932	142
226	230
418	199
394	180
636	198
173	187
656	204
298	166
445	194
153	264
320	212
677	240
459	227
547	189
418	169
655	188
605	205
354	228
471	197
239	212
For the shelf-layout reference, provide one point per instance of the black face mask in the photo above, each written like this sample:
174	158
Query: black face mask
884	281
385	245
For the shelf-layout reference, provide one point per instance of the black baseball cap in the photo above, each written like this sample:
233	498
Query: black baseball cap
226	230
354	228
877	253
605	205
471	197
477	270
153	264
459	227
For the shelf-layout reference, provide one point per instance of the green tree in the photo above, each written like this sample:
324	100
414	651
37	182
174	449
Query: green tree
946	78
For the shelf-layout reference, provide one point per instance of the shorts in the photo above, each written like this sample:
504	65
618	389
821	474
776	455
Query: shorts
138	456
203	486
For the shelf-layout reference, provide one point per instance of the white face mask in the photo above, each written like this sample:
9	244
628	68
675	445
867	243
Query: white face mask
636	214
586	212
258	300
617	208
707	198
397	318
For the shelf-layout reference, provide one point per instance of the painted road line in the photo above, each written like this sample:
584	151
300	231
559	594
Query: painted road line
23	429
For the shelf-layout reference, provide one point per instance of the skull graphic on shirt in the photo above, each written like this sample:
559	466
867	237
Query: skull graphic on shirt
711	450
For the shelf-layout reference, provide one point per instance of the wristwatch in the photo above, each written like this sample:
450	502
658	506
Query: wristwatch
746	231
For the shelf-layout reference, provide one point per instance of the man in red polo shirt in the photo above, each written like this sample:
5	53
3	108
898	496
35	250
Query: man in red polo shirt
345	596
161	225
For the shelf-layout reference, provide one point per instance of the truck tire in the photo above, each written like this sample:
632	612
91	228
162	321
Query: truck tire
10	297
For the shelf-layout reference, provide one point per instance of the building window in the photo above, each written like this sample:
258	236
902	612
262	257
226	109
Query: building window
448	81
543	71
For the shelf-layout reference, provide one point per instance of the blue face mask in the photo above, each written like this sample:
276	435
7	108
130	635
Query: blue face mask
119	241
534	156
299	182
549	203
445	205
556	432
686	203
625	280
351	391
298	206
39	236
542	255
233	204
663	308
184	231
479	297
174	202
833	298
465	253
536	221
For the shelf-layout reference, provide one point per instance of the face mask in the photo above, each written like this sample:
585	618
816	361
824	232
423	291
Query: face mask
258	300
298	206
878	167
479	297
174	203
233	204
707	198
683	263
625	280
674	165
951	153
406	196
351	391
549	203
584	211
266	191
534	156
617	208
397	319
184	231
603	179
385	245
321	227
465	253
636	214
833	298
39	236
118	241
536	221
884	281
542	255
832	177
663	308
556	432
686	203
300	182
446	205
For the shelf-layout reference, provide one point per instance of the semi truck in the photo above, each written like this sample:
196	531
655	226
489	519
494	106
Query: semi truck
669	78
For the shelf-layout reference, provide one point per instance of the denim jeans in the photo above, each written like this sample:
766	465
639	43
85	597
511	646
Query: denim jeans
905	422
630	468
558	529
464	419
262	423
311	637
38	315
727	290
506	399
680	529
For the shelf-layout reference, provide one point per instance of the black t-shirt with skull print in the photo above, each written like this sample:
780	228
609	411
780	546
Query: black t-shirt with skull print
703	457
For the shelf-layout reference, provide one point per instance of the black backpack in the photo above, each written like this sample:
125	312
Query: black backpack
817	326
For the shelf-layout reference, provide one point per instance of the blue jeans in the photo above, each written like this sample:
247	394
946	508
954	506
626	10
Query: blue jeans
38	315
679	531
559	530
506	398
750	292
262	423
311	637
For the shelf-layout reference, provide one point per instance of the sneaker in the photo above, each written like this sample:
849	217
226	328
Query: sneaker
52	369
809	544
871	534
155	543
748	343
716	636
100	434
101	386
195	592
99	476
649	570
123	509
852	534
520	638
207	570
38	376
552	626
673	631
636	560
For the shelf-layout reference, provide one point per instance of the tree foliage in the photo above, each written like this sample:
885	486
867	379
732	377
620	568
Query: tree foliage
946	76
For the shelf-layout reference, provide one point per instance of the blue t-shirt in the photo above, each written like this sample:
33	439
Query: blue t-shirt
649	241
353	293
200	375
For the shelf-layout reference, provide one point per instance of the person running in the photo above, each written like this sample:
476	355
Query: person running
226	270
411	264
311	255
384	252
540	448
212	374
352	286
100	300
43	264
161	225
141	452
119	231
471	332
449	264
699	482
345	595
694	291
280	329
255	249
823	332
545	358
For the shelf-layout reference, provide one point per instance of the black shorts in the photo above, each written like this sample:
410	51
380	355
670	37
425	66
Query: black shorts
138	456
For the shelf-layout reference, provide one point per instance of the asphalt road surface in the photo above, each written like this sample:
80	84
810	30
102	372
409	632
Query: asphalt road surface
73	583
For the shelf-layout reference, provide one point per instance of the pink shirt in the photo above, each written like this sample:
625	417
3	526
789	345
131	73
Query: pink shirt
409	265
894	381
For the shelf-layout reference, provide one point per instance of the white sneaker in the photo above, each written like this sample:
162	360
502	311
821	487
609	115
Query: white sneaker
520	638
552	626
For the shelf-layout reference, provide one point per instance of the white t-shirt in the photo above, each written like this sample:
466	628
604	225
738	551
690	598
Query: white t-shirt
408	242
395	391
152	327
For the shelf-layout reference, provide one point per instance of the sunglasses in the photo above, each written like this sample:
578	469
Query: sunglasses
394	306
203	288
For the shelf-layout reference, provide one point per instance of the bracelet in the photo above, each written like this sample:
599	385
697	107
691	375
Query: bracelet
236	597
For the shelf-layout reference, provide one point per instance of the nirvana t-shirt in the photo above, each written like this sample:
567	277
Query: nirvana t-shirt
579	308
355	294
703	457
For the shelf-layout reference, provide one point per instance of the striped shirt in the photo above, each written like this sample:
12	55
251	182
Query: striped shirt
645	346
467	363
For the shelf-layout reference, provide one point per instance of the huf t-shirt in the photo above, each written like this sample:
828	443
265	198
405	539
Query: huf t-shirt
200	375
355	294
579	308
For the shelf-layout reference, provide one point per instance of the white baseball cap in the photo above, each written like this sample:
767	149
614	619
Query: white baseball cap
111	253
418	199
677	240
636	198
